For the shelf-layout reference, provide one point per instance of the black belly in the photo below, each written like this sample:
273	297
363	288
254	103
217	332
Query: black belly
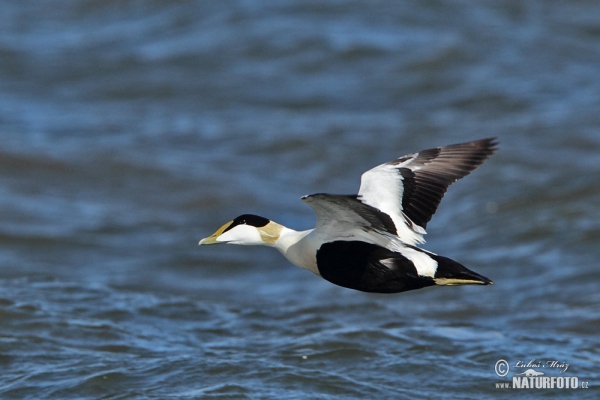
358	265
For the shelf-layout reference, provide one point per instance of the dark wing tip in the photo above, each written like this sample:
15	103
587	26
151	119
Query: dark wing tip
482	147
432	171
488	146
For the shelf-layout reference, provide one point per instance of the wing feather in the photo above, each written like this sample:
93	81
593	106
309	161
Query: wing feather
409	189
344	217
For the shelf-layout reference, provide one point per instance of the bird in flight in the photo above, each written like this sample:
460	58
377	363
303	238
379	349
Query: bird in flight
369	241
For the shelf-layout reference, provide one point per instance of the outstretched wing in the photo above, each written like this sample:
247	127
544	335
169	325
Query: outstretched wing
410	188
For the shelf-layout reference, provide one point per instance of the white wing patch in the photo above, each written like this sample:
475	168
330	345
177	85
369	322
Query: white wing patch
381	187
410	188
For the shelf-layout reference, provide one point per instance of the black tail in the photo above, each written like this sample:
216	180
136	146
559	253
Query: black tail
449	272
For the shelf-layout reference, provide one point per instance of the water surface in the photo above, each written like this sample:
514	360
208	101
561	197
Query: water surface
130	130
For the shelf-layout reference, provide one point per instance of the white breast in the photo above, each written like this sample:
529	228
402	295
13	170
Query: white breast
300	248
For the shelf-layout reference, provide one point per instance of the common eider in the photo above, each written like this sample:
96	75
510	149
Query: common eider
368	241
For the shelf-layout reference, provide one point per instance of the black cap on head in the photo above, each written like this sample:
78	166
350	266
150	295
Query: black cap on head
248	219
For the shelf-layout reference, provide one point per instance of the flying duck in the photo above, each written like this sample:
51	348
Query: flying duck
369	241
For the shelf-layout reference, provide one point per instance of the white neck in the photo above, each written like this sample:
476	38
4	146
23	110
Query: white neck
299	248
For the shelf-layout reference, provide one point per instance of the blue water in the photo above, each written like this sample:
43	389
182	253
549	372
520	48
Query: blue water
130	130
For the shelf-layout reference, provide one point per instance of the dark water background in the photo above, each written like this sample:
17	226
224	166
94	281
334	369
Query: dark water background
131	129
